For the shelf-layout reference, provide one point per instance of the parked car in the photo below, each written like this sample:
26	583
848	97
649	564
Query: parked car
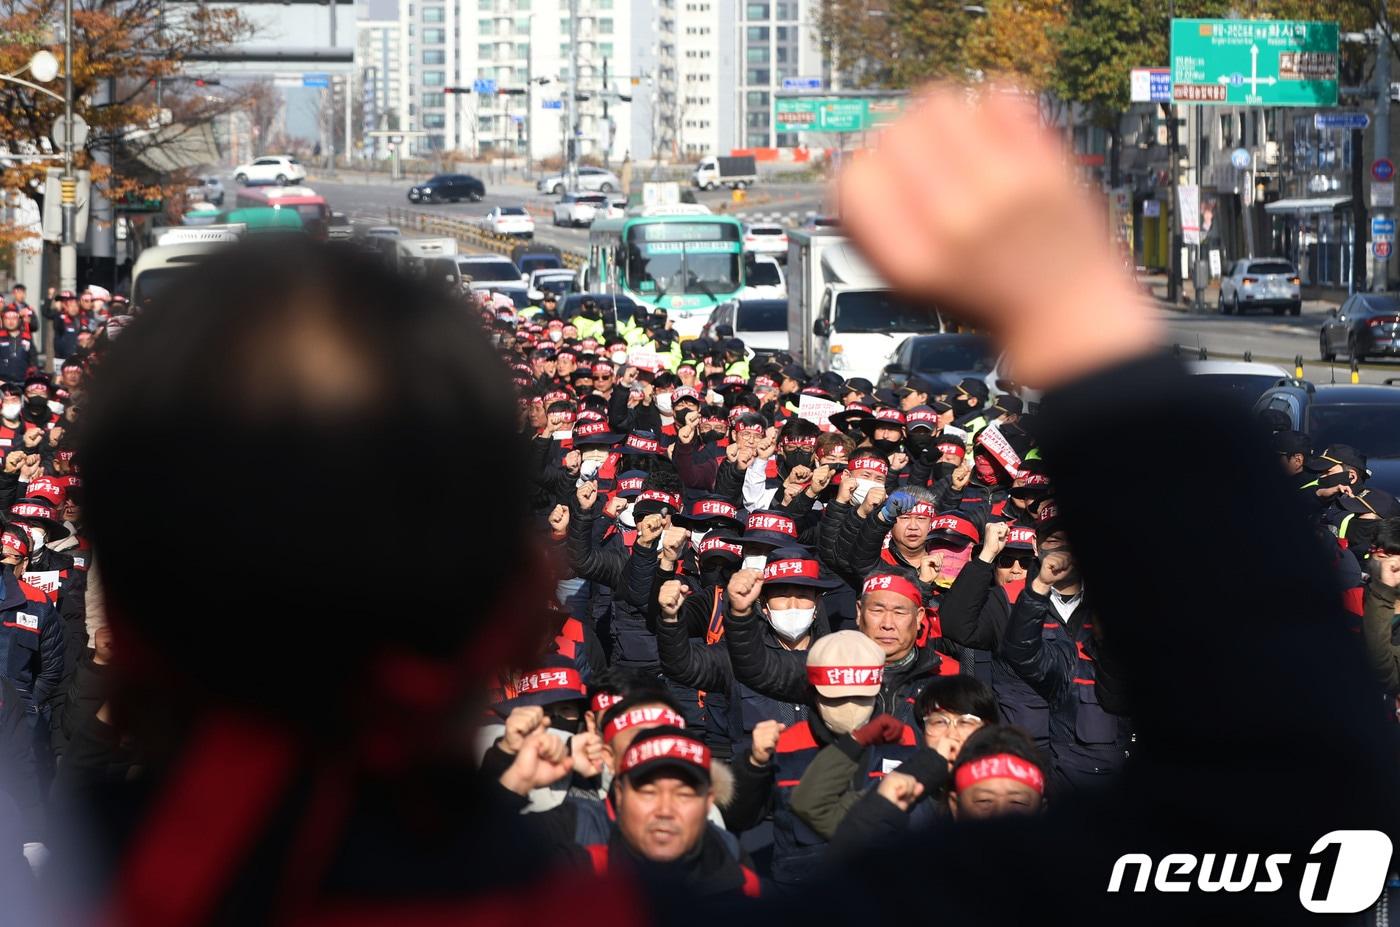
760	323
510	220
946	358
532	257
451	188
1261	283
577	209
766	238
283	169
557	280
1238	380
763	278
207	190
589	178
488	271
1365	417
1366	324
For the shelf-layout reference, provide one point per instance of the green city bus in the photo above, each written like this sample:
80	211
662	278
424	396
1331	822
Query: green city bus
678	258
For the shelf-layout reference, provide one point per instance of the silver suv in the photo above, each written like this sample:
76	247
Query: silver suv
1262	283
589	178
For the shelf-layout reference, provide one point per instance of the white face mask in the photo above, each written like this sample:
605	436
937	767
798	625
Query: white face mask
663	403
696	537
556	335
619	357
36	537
56	408
714	398
10	410
753	562
791	623
846	717
862	489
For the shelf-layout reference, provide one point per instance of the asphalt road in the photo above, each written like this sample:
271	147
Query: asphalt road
1266	337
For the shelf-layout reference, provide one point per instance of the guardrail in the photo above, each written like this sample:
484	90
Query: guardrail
469	233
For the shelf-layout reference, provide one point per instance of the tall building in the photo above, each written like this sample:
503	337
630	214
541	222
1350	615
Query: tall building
777	40
378	77
521	48
695	65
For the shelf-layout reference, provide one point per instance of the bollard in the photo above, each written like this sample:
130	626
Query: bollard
1249	357
1298	367
1201	355
1355	372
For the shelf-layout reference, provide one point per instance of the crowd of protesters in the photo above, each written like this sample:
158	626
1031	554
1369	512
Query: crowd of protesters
736	625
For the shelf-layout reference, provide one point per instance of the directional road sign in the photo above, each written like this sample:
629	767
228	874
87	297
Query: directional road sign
1150	85
1382	227
315	80
484	85
802	83
1254	62
553	104
1341	120
833	114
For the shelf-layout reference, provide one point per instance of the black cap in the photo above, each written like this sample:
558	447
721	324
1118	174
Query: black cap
1291	442
860	385
1347	456
832	382
795	372
669	748
1371	502
1009	404
732	346
973	387
920	383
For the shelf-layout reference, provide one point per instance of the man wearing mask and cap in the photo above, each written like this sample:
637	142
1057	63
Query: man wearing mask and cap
970	406
1364	514
917	391
843	674
1295	450
17	355
36	402
31	636
551	695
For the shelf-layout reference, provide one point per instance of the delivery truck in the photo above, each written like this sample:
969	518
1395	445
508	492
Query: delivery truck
841	315
734	172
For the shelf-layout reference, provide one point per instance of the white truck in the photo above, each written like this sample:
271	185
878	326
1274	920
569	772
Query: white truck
841	315
735	172
411	254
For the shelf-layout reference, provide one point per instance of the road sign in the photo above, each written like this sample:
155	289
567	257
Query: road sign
1382	228
1382	248
315	80
1240	158
802	83
833	114
1254	62
1383	194
1341	120
1383	169
59	132
553	104
1150	85
484	85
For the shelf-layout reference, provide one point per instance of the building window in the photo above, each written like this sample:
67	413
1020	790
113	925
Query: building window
605	49
434	36
522	24
522	6
758	139
758	55
486	51
434	78
787	10
434	100
758	75
434	120
756	33
434	56
757	11
410	30
433	14
756	99
782	54
486	27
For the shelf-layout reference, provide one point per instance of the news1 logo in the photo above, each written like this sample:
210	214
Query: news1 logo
1344	872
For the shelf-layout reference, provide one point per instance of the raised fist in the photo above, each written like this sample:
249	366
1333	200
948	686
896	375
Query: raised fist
993	540
742	591
765	741
559	521
900	790
821	478
962	473
587	494
671	596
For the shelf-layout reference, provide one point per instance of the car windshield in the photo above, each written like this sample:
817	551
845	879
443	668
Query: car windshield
537	262
1371	428
762	315
489	270
683	257
1241	387
512	211
881	311
557	285
154	285
1382	303
762	273
1271	267
592	199
935	355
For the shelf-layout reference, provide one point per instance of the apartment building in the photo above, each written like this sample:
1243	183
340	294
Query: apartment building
379	76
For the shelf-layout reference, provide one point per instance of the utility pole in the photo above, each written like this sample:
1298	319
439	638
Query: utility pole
349	142
571	116
604	96
1380	272
68	249
1174	225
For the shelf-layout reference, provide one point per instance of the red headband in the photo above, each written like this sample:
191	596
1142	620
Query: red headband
684	749
922	417
30	510
870	463
809	441
715	507
631	483
603	701
646	445
768	522
589	429
17	540
711	545
889	582
599	369
651	716
922	510
756	429
845	675
1022	536
890	415
1000	766
684	392
780	570
550	680
656	495
1048	510
1036	479
955	525
952	447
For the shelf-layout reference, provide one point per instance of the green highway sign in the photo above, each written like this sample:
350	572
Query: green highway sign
1254	62
833	114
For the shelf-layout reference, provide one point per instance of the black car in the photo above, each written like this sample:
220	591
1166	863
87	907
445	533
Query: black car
1363	416
447	188
945	358
1366	324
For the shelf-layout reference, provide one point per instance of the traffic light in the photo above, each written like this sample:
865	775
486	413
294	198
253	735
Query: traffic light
456	90
512	91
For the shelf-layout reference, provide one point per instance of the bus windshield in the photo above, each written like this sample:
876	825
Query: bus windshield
672	258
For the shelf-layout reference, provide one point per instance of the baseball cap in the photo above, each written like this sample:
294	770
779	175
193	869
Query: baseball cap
771	528
629	484
953	529
1369	501
1008	404
1291	442
666	748
555	681
860	385
846	663
796	566
1347	456
919	383
651	501
972	386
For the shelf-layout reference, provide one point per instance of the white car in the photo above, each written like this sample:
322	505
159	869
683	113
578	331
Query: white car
760	323
580	208
589	178
489	271
766	238
763	278
283	169
510	220
1239	380
1000	383
1263	283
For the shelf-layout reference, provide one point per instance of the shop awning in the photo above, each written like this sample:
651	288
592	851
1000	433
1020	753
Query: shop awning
1307	204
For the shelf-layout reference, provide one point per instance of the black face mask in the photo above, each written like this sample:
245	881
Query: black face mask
1361	534
1342	478
564	724
960	406
711	435
886	448
942	470
716	572
591	312
798	458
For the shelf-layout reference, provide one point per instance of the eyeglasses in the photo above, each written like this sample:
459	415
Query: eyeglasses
1007	561
938	725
